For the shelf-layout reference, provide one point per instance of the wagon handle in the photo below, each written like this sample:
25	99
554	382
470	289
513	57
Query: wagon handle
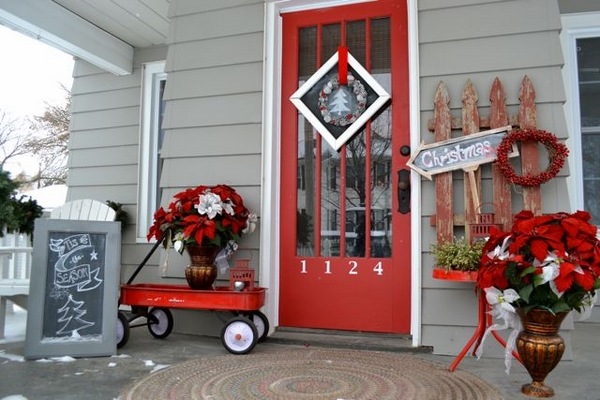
144	261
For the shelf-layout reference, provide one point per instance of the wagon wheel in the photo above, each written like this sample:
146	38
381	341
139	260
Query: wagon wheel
122	330
262	325
160	322
239	335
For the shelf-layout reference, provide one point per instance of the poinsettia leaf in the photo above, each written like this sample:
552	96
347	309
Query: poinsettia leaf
560	306
528	270
511	273
527	308
216	241
525	292
538	280
542	307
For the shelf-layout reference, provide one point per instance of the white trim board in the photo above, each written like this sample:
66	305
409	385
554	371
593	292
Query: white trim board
575	26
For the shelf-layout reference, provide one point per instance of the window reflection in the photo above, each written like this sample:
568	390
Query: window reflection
588	65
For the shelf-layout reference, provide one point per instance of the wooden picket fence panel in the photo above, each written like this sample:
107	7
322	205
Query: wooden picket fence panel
443	123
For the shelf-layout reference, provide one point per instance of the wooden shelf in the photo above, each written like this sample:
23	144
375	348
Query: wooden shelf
453	275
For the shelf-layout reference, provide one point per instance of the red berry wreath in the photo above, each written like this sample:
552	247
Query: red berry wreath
557	154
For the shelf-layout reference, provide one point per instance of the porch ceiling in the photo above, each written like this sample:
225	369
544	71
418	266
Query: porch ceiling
139	23
102	32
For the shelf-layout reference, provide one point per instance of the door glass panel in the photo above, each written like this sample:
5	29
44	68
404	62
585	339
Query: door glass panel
588	62
305	228
381	191
307	64
380	46
330	40
338	190
356	40
356	194
305	213
330	201
381	144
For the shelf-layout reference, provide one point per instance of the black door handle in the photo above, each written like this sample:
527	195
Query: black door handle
404	191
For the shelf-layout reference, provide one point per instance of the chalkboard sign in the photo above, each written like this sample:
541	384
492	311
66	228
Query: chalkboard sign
464	152
73	295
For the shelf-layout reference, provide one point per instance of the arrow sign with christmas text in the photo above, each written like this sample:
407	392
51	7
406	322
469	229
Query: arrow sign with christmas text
465	152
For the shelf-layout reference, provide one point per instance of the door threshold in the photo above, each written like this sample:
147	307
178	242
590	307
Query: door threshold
346	340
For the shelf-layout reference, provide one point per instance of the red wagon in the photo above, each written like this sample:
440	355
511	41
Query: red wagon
152	302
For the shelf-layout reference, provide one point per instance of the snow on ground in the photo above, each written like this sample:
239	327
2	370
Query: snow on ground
11	357
16	323
49	197
14	329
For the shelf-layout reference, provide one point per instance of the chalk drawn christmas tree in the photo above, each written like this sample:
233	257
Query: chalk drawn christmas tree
72	317
339	103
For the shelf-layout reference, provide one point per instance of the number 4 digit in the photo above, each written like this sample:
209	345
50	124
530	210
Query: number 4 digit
378	268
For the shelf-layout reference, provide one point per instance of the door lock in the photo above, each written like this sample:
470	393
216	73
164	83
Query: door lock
404	191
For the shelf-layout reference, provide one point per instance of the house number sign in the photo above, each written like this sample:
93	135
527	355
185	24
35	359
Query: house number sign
353	267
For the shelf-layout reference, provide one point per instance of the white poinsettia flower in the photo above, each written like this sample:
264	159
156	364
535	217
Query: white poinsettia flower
228	207
550	267
501	251
178	245
499	299
210	204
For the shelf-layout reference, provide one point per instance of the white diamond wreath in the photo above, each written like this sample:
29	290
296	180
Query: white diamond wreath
360	93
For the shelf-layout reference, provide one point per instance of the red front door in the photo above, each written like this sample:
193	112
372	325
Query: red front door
358	280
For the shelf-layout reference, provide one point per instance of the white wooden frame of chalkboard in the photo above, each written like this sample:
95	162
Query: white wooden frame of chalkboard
76	345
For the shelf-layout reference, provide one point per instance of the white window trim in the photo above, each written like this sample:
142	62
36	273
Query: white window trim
269	255
147	201
575	26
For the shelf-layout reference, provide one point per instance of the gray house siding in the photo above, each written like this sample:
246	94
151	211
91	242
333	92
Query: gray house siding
478	41
213	123
103	149
214	109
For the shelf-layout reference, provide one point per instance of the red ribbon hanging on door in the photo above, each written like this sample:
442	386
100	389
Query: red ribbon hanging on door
343	65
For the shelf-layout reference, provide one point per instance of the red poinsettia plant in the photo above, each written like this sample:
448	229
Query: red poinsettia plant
548	261
204	215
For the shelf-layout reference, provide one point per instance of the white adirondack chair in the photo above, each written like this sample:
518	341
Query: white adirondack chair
16	288
85	209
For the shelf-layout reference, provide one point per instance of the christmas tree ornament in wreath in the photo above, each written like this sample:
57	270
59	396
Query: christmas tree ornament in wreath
557	155
339	98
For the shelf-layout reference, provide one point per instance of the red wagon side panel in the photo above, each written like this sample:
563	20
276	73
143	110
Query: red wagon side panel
181	296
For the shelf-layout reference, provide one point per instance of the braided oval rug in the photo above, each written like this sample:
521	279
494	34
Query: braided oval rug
311	374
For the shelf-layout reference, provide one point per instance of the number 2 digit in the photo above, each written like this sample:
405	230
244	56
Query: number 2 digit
353	268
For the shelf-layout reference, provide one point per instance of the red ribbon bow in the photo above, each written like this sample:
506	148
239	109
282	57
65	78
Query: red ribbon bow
343	65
